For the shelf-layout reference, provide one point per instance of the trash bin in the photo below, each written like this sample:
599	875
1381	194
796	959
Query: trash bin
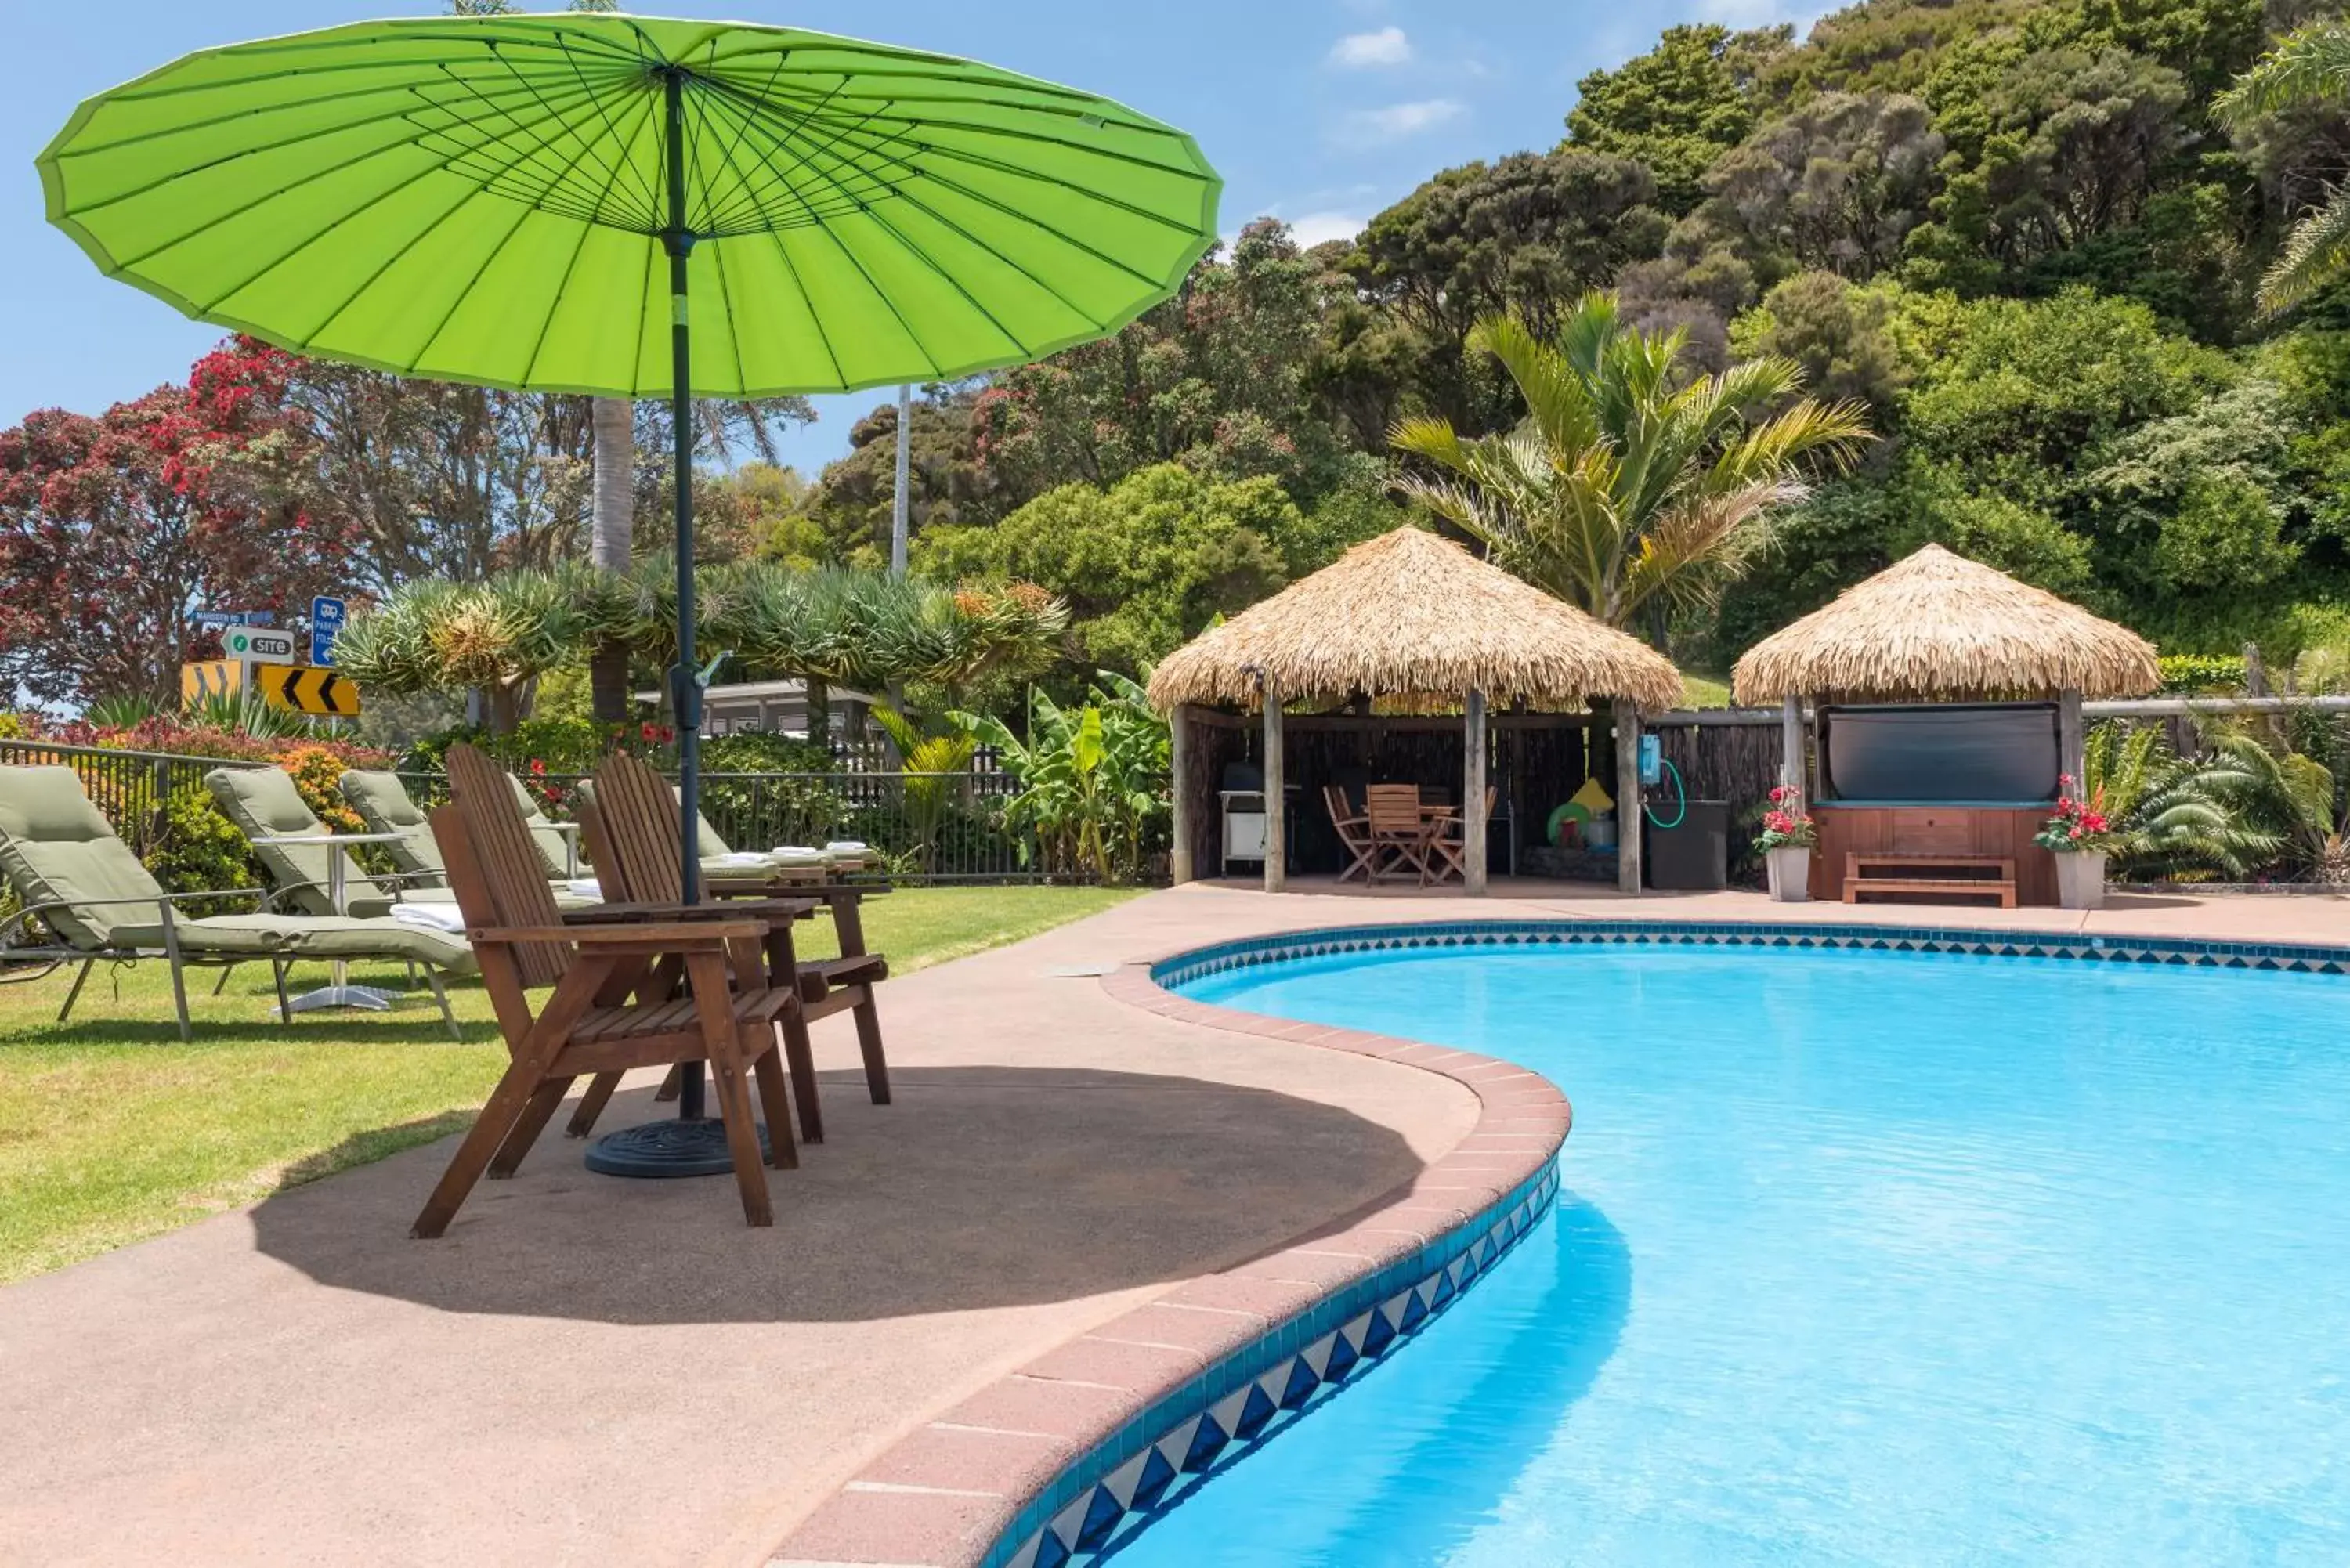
1693	855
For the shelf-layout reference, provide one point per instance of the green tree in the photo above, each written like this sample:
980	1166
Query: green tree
1624	483
1145	565
1837	184
2312	66
1676	107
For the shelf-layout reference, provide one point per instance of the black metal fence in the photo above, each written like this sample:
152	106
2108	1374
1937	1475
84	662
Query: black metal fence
927	827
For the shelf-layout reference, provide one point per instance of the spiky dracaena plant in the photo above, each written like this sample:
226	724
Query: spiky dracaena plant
2309	66
1627	482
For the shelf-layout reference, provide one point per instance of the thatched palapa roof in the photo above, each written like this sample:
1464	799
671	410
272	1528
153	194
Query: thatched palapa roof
1939	626
1409	613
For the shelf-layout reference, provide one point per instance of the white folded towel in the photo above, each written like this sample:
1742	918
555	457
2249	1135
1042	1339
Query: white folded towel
431	917
737	858
797	852
584	887
846	847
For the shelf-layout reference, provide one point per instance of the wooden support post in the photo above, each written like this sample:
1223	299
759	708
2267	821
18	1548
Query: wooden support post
1181	761
1628	795
1472	796
2072	741
1276	800
1791	746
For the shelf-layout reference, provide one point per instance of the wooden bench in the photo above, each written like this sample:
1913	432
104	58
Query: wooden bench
1930	876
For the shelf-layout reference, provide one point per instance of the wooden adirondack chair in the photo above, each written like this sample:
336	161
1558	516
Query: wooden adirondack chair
587	1025
632	830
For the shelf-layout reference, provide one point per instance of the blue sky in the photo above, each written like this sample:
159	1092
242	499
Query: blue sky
1318	111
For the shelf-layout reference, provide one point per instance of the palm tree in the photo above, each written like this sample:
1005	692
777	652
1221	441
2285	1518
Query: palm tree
2310	66
1627	484
611	531
2171	814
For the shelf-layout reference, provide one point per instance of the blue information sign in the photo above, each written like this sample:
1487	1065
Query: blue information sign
326	621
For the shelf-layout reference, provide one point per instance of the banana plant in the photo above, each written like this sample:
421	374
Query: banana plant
1092	778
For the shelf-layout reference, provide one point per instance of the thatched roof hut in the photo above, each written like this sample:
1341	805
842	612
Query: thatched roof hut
1938	627
1411	615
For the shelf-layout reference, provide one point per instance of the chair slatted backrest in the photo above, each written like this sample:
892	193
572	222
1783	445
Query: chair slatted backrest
513	878
639	815
1394	810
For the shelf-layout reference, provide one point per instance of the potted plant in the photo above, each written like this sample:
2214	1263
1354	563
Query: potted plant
2081	838
1786	842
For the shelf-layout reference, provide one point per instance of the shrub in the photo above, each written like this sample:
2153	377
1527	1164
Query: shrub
198	850
2202	674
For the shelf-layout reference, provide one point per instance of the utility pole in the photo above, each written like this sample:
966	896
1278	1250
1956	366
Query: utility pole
899	501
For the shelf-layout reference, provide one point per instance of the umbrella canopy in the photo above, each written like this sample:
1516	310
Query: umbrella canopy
1411	615
1937	626
494	199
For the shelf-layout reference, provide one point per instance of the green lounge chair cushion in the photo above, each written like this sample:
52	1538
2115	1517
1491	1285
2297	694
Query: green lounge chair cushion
713	847
56	848
263	803
308	936
384	804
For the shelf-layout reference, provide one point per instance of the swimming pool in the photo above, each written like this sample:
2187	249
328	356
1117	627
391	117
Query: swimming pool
1862	1257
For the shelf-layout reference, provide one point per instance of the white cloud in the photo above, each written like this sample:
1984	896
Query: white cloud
1359	51
1372	127
1311	229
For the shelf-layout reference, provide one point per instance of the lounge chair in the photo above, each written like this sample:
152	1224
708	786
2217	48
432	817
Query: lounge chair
68	868
633	822
588	1026
722	862
265	804
384	804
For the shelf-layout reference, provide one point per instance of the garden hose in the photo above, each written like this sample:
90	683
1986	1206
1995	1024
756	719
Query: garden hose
1680	814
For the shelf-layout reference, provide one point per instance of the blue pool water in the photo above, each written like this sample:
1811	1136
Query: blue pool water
1862	1258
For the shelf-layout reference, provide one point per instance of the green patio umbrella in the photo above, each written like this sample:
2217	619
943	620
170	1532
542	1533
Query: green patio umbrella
530	202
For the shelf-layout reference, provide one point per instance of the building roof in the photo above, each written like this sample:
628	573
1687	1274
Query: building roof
1937	626
1411	615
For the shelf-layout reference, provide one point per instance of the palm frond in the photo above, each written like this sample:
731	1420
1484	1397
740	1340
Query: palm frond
2317	252
2309	66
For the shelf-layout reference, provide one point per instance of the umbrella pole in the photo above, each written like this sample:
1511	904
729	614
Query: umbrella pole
686	688
693	1143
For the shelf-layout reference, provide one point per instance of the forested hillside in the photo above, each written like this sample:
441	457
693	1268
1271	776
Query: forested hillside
2013	229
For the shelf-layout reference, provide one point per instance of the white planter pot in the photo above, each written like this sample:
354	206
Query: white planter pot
2081	879
1791	874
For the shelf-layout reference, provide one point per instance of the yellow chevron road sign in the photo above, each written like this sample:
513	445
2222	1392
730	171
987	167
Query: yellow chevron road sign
307	689
211	678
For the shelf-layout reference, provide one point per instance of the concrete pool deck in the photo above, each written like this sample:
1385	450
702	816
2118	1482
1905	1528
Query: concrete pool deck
587	1370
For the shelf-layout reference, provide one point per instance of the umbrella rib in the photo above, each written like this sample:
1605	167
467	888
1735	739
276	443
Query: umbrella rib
782	58
525	153
923	257
404	112
755	209
1062	235
534	39
457	300
621	143
219	218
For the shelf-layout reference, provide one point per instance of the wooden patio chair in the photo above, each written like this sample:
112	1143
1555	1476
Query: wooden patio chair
632	823
1353	831
587	1025
1448	841
1398	832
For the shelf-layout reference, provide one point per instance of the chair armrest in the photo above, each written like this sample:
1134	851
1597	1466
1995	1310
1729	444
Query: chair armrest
733	909
698	936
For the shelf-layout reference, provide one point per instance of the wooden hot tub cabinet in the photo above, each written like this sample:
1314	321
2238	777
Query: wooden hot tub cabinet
1996	831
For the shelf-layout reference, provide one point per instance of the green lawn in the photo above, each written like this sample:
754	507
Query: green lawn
111	1129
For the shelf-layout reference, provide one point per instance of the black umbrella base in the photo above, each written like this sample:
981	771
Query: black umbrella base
676	1146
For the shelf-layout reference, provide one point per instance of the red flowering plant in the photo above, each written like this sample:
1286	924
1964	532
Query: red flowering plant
1787	825
2080	826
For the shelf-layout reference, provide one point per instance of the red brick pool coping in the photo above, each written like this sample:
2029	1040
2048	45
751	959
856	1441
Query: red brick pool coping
943	1494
